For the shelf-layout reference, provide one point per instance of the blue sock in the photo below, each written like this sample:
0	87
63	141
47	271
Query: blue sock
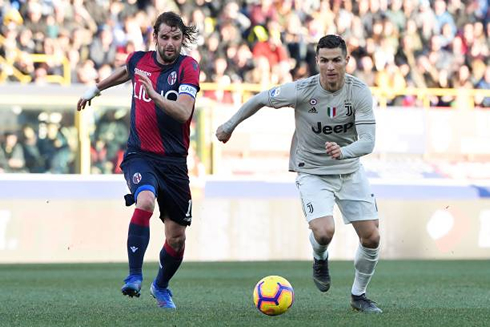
170	261
138	239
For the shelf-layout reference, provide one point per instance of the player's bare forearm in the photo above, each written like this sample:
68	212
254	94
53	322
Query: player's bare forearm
119	75
180	110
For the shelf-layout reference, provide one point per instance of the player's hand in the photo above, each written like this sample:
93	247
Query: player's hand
333	150
87	97
146	82
221	135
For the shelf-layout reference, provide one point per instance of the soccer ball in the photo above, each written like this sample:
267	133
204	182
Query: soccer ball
273	295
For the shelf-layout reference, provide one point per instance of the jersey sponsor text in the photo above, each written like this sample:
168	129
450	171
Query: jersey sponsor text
326	129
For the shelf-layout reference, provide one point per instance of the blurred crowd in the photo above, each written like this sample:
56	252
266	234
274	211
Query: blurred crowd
45	143
394	44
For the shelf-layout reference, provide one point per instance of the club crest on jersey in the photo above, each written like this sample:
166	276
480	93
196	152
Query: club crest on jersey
331	112
275	92
348	107
136	178
172	78
309	205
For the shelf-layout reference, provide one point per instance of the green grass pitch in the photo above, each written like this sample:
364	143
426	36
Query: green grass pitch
411	293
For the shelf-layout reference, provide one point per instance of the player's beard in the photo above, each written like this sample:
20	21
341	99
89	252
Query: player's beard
333	85
168	59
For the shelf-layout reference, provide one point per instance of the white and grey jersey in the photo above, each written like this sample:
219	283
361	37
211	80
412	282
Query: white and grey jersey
322	116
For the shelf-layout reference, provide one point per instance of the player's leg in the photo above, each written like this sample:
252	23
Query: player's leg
142	185
171	256
172	253
318	199
358	206
322	230
365	261
137	242
176	211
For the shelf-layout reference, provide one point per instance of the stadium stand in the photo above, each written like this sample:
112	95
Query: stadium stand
401	48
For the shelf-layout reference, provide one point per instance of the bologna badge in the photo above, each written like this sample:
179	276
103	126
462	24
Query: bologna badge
136	178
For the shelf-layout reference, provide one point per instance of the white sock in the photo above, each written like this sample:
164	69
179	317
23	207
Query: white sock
319	251
365	261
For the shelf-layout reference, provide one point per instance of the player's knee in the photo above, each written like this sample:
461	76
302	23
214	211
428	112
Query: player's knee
324	234
371	240
146	201
176	242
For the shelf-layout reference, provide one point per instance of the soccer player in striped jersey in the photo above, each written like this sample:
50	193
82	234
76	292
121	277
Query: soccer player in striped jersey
335	125
165	84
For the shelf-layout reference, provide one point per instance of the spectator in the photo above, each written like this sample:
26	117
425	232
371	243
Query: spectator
86	73
112	131
14	154
103	48
443	17
276	54
34	161
396	15
99	162
365	70
484	84
54	147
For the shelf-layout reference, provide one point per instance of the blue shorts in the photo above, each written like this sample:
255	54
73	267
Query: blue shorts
167	179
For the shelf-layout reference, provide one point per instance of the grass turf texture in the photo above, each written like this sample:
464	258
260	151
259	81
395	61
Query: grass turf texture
411	293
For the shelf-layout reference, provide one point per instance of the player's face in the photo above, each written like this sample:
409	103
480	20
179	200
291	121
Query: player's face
331	64
168	43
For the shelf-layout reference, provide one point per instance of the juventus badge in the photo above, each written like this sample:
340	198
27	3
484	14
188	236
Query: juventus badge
309	205
348	107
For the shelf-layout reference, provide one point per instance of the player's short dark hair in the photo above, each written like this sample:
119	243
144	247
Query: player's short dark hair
332	41
173	20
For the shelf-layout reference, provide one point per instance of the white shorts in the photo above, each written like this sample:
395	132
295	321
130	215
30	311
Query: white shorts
351	192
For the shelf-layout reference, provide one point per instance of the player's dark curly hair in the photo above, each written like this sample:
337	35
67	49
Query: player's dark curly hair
173	20
332	41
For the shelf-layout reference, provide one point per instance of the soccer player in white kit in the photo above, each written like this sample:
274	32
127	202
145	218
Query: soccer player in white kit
335	125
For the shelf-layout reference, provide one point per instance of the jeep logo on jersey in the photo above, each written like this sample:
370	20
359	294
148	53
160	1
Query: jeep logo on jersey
327	129
136	178
348	107
172	78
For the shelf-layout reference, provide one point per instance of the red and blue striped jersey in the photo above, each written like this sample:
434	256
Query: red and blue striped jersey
153	131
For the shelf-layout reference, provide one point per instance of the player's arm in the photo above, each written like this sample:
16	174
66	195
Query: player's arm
180	110
364	144
366	132
119	75
249	108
